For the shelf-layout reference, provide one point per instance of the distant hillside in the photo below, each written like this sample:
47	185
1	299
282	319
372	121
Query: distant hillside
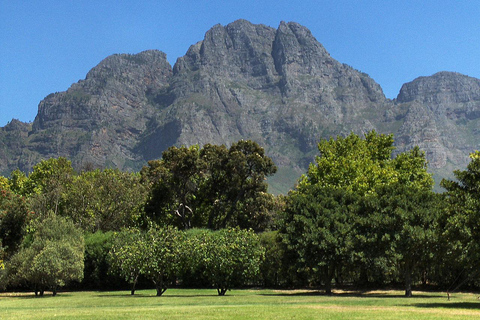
279	87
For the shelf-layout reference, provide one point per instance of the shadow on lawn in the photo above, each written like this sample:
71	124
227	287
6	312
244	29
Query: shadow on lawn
357	294
450	305
164	296
33	296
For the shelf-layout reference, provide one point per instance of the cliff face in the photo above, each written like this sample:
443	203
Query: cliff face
279	87
442	116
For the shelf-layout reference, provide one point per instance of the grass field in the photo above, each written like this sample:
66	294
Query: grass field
239	304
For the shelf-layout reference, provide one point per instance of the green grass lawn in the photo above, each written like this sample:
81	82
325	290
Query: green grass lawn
238	304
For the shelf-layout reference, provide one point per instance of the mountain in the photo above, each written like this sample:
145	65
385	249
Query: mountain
279	87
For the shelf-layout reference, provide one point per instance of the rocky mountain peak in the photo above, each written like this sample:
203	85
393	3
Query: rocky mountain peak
279	87
441	88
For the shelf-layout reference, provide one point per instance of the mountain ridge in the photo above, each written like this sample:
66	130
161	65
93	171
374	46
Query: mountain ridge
279	87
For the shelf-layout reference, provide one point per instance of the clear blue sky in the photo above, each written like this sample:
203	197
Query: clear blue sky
47	45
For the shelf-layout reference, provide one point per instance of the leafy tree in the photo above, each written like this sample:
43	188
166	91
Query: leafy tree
463	213
227	257
106	200
238	188
319	226
52	256
162	256
329	204
14	216
47	185
174	181
96	271
127	255
406	230
212	187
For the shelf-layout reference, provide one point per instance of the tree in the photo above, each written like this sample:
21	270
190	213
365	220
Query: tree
212	187
127	255
14	216
227	257
174	182
162	256
319	226
330	205
106	200
50	257
235	190
406	232
463	213
47	185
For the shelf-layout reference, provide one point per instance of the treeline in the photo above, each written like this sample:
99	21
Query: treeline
202	217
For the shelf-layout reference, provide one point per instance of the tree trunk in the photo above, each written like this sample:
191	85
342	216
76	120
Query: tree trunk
328	279
159	286
408	284
132	292
54	291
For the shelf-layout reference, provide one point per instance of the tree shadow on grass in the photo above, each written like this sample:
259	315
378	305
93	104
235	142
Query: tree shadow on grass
164	296
33	296
450	305
357	294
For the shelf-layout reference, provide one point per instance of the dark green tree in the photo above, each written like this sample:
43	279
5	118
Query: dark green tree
174	182
14	216
50	257
319	226
212	187
462	230
341	230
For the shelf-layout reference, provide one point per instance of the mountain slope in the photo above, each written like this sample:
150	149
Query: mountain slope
279	87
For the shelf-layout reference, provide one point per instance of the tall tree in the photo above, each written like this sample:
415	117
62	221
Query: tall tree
463	213
174	181
329	202
106	200
212	187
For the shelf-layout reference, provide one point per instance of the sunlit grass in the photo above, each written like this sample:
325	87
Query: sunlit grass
239	304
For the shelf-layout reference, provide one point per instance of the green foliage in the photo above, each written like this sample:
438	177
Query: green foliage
162	256
358	207
51	258
14	216
174	180
271	268
212	187
105	200
463	213
47	185
402	229
127	255
319	227
227	257
96	271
